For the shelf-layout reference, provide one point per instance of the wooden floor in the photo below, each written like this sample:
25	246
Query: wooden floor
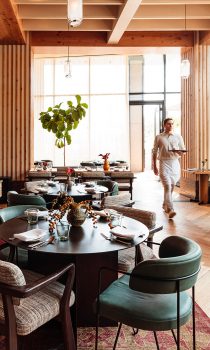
192	221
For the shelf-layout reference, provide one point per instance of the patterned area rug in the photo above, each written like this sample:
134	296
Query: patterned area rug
143	340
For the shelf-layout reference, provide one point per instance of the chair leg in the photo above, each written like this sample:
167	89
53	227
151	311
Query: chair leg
11	256
135	331
68	334
193	316
174	336
156	340
96	336
117	336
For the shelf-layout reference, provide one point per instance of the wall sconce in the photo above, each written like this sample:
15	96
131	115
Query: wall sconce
74	12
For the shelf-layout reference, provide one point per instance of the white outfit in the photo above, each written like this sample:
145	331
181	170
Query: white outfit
169	166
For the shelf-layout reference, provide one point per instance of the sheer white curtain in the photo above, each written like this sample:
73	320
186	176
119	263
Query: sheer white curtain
102	83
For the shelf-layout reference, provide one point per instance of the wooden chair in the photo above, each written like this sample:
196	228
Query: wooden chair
30	300
122	199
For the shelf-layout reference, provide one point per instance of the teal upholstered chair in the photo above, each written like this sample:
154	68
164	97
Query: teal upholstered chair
14	198
14	211
153	296
113	188
10	213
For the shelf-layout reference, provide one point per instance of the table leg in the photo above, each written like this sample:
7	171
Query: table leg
203	188
86	279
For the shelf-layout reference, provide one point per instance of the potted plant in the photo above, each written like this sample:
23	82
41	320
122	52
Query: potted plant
61	121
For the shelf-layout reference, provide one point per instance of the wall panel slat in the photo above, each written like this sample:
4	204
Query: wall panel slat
16	135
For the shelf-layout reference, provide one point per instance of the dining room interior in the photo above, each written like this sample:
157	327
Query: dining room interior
85	87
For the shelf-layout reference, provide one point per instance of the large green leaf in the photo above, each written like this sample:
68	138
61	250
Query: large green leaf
61	121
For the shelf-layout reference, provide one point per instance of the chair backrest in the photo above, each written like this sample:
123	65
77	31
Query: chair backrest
179	263
11	274
112	186
122	199
14	198
92	175
14	211
147	217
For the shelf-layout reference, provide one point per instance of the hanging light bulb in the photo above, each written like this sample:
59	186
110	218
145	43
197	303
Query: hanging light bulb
185	69
67	67
185	63
74	12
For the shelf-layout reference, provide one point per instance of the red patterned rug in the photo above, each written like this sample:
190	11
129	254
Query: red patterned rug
143	340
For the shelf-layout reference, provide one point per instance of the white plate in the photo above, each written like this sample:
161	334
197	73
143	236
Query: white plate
31	236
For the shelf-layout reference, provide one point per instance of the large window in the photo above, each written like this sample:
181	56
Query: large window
102	83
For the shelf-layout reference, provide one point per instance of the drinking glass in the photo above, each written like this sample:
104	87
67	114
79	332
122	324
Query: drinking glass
63	187
32	215
63	231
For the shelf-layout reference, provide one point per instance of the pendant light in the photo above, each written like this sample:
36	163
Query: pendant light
67	64
67	67
185	63
74	12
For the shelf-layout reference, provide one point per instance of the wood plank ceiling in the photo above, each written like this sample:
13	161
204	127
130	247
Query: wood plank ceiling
106	22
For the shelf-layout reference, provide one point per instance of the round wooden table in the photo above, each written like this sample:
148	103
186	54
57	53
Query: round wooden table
86	247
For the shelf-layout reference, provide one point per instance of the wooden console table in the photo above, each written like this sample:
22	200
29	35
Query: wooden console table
203	177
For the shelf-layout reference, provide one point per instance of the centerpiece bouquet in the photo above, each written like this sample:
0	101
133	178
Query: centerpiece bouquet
76	213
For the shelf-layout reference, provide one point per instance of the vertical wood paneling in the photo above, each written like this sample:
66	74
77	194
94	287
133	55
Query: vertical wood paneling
196	109
16	135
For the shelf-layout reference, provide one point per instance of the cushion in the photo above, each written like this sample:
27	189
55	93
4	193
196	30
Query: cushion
126	257
39	308
12	275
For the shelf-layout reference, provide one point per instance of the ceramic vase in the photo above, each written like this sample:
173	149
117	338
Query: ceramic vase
69	183
106	165
76	216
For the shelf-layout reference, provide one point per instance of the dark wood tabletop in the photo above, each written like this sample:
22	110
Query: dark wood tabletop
85	239
79	192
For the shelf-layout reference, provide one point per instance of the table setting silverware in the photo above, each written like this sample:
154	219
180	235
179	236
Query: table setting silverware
42	243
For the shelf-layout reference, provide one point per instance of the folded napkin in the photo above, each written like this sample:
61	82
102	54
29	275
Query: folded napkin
42	189
101	213
123	233
32	235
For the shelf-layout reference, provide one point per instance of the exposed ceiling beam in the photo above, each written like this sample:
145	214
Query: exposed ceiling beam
59	24
126	14
59	12
64	2
10	26
146	39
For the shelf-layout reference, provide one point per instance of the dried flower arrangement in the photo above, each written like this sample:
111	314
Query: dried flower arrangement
64	204
104	156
